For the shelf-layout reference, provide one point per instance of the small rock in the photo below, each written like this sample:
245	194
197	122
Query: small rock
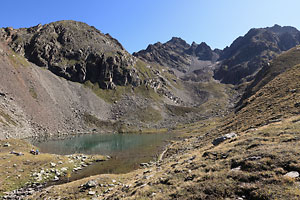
60	162
254	158
57	173
64	169
92	193
56	178
99	160
52	164
6	145
165	181
236	169
144	164
90	184
292	174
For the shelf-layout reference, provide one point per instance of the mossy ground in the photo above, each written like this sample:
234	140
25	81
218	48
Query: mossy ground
17	60
6	119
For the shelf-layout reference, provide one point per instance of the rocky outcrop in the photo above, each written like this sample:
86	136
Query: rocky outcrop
248	54
202	51
75	51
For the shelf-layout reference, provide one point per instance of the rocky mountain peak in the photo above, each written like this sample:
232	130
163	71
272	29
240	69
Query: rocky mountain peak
248	54
283	29
177	42
177	54
75	51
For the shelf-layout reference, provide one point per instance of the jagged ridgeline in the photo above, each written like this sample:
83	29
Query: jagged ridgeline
178	54
236	64
77	52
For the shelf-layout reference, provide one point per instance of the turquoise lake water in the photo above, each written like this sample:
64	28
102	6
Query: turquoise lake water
127	151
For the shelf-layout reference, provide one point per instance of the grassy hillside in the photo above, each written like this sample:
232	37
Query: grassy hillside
279	65
275	101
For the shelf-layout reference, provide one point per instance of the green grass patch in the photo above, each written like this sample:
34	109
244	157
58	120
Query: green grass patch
93	120
33	93
180	110
108	96
7	118
149	114
17	60
143	70
67	62
147	93
111	96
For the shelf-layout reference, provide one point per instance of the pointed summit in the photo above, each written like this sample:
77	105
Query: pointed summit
178	42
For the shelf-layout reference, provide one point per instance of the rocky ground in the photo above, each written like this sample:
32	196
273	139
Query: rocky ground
23	173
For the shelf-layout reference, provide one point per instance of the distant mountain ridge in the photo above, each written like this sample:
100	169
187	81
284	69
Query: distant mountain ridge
177	53
238	63
249	53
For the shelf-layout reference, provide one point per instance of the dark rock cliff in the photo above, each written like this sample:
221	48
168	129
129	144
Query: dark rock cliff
75	51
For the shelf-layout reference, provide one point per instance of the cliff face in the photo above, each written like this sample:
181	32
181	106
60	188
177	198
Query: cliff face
75	51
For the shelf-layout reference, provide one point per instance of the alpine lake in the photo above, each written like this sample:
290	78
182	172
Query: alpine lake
126	151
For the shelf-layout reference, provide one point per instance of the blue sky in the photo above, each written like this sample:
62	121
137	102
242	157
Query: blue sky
137	23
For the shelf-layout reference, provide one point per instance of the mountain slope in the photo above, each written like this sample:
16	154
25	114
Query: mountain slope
269	71
38	103
276	98
248	54
69	70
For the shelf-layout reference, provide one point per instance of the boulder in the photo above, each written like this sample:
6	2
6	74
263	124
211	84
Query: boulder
292	174
221	139
52	164
90	184
6	145
92	192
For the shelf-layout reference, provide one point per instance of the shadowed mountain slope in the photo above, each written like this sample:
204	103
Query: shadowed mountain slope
248	54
